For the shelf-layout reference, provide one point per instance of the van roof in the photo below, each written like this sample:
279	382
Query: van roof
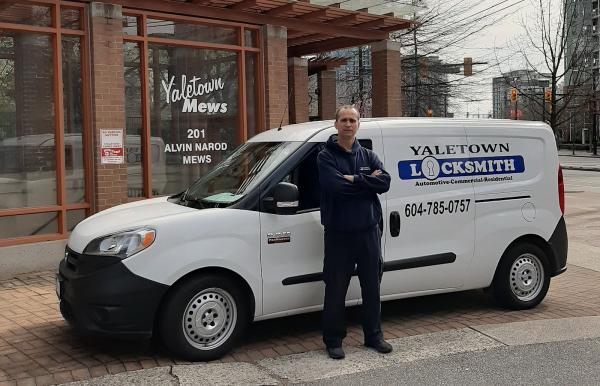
303	131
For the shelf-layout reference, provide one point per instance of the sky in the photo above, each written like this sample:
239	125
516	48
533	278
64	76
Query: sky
497	45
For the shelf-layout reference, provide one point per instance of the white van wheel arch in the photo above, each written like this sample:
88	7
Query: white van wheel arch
523	277
203	316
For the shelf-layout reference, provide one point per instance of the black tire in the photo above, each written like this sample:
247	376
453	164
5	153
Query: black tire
522	278
216	315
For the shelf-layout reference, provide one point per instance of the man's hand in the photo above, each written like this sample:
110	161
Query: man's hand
376	173
349	178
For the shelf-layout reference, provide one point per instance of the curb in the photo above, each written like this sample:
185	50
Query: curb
582	168
314	365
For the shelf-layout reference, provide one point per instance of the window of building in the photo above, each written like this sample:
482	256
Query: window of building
192	96
43	121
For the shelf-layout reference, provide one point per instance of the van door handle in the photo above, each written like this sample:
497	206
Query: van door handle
394	224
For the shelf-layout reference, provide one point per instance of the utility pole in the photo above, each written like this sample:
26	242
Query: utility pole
594	117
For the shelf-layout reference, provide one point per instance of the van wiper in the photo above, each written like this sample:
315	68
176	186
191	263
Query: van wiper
197	203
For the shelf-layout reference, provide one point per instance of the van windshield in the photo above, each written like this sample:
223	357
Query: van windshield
238	174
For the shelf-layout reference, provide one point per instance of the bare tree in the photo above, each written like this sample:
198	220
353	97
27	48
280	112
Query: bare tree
431	70
557	44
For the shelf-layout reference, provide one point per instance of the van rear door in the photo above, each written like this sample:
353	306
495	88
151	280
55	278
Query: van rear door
429	222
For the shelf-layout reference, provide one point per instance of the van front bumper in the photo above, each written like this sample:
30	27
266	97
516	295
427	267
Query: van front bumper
99	295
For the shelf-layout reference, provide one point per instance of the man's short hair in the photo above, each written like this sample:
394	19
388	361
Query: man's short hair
346	107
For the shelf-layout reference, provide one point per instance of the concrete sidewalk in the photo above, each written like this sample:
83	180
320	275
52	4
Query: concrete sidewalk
314	365
579	162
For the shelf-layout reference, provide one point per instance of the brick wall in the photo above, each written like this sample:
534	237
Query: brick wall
385	59
327	94
298	84
276	75
108	99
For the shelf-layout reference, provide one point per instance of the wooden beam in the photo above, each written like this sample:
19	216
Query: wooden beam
326	45
200	2
281	10
345	19
7	4
304	39
380	22
252	18
244	4
324	12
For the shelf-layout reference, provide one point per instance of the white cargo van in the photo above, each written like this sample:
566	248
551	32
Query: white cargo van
472	204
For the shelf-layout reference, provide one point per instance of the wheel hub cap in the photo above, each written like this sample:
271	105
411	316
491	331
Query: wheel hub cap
209	318
526	277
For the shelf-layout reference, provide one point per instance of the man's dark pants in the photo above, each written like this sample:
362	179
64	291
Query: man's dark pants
344	251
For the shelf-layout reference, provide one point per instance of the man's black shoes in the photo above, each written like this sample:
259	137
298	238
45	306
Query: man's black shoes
382	346
336	352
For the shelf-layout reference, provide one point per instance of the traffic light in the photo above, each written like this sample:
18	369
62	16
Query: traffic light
468	67
548	94
513	94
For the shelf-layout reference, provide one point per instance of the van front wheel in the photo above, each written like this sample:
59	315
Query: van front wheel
522	278
203	318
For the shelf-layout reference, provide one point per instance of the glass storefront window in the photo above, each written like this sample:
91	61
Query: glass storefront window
73	120
194	114
70	18
133	120
130	25
37	15
27	123
251	91
170	29
74	217
250	38
28	225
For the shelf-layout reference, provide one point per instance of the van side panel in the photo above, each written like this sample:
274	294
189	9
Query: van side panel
521	199
204	239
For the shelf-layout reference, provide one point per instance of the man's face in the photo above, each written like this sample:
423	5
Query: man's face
347	124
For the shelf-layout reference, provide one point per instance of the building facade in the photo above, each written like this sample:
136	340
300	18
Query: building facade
530	103
108	103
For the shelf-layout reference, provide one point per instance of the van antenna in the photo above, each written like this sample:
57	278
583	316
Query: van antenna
286	107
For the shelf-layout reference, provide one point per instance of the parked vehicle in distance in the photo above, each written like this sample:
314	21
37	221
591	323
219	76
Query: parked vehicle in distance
472	204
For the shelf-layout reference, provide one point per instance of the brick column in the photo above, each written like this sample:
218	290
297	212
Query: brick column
327	94
298	84
276	75
108	99
385	59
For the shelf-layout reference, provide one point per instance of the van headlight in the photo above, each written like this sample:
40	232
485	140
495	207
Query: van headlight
123	244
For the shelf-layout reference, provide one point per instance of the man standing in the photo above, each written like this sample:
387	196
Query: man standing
351	176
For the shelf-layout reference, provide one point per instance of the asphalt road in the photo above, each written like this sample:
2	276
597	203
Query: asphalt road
557	363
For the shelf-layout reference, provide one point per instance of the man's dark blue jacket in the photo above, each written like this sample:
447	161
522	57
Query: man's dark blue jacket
345	205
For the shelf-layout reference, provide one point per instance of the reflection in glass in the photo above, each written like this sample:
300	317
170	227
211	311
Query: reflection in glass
194	115
70	18
251	89
74	217
196	32
38	15
130	25
27	126
28	225
133	120
73	120
250	38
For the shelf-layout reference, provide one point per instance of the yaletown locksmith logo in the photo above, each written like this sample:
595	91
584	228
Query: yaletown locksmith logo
436	165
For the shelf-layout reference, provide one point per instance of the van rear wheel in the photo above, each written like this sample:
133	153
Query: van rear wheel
203	317
522	278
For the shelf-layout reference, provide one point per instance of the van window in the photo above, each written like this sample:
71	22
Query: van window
306	177
238	174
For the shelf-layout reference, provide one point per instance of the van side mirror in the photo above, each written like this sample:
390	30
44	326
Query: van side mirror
285	198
